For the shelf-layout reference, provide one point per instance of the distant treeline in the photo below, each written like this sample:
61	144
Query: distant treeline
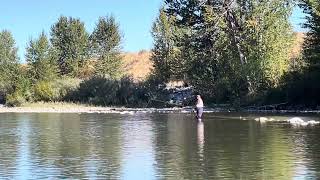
235	52
69	65
238	52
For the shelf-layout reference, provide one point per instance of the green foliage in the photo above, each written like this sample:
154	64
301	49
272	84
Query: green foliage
67	53
165	54
70	41
99	90
312	40
105	46
241	48
45	91
269	39
65	86
55	90
303	88
109	65
21	90
301	85
40	57
15	99
9	66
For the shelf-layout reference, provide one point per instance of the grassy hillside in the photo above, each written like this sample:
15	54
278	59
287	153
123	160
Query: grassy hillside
138	65
296	50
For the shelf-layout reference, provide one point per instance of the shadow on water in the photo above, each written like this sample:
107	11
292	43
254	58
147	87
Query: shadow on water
155	146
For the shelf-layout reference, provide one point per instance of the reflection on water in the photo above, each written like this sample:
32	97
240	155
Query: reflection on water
200	136
154	146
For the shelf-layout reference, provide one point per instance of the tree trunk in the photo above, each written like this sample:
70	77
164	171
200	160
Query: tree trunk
234	32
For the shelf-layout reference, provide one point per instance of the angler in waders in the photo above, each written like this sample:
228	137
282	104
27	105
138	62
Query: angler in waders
199	108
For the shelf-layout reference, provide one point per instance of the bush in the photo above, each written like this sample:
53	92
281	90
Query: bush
65	86
19	90
303	88
45	91
56	90
15	99
100	90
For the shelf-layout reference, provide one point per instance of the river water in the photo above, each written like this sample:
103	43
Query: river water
156	146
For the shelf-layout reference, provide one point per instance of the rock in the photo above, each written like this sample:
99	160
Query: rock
304	124
295	120
300	122
313	122
127	112
261	119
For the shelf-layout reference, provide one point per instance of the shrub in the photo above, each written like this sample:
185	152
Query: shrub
100	90
15	99
97	90
56	90
45	91
65	86
19	90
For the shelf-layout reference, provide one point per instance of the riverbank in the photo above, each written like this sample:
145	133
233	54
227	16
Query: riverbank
62	107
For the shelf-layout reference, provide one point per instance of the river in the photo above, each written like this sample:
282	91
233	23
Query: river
156	146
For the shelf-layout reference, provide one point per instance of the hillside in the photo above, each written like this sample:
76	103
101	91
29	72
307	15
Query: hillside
298	42
138	65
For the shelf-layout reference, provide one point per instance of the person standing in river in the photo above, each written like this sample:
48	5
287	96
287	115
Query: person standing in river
199	107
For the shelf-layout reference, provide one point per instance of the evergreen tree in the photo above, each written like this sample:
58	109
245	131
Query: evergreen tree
105	46
70	40
40	57
165	53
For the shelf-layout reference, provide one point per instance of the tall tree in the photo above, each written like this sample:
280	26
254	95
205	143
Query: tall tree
241	45
40	57
105	43
312	40
70	39
165	53
9	62
304	87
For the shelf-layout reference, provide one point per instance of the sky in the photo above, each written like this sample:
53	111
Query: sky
26	19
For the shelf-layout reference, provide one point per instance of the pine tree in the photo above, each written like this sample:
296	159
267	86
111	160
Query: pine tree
164	52
105	43
40	57
70	40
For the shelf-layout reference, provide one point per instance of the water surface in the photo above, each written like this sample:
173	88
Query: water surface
155	146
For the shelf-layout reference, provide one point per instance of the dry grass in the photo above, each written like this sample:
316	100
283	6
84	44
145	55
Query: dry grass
297	46
138	65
